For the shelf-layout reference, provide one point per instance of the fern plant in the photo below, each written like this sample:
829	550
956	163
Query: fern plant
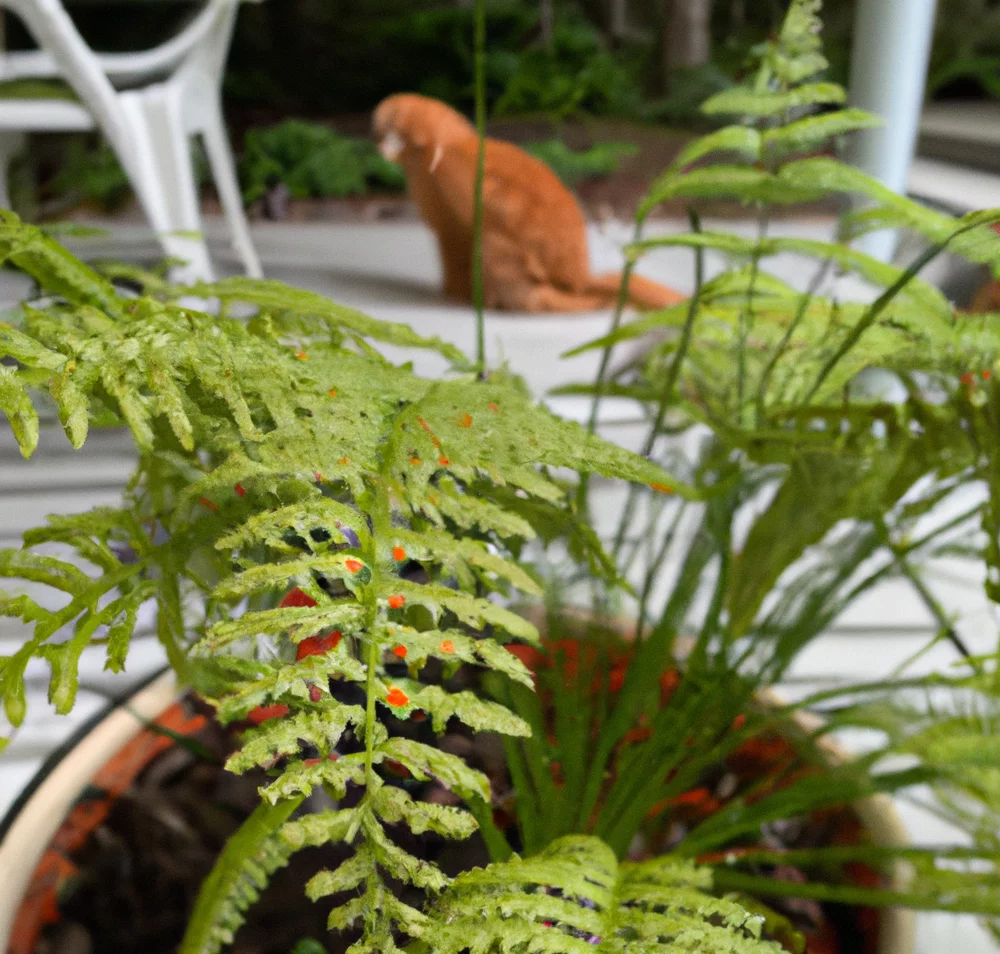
575	896
305	516
315	524
811	492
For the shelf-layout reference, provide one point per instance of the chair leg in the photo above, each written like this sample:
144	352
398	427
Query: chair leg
164	179
11	144
220	159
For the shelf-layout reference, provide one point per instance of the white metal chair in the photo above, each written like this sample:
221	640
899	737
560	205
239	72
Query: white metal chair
148	105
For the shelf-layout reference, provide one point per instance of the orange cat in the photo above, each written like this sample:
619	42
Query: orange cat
534	233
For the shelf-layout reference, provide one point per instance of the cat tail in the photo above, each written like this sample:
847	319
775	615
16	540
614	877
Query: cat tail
643	293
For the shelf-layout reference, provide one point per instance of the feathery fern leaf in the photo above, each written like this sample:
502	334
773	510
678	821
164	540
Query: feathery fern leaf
575	896
251	856
285	461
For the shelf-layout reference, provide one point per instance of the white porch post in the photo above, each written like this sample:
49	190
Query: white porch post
891	49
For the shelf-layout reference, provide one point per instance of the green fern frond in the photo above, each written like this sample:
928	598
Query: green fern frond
747	102
575	896
52	266
282	456
812	131
88	609
251	856
276	297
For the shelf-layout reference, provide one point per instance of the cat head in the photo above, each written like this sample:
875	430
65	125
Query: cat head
408	120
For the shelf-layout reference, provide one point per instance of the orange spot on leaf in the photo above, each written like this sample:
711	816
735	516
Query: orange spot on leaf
205	502
400	651
465	420
414	461
443	461
447	646
640	734
662	488
302	356
297	597
332	392
493	407
317	646
398	554
261	714
396	600
353	565
240	490
397	698
344	461
332	757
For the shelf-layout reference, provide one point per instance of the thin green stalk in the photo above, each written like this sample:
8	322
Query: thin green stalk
746	315
170	622
381	526
655	562
800	313
583	488
478	291
929	900
880	304
927	598
496	843
616	321
673	372
837	854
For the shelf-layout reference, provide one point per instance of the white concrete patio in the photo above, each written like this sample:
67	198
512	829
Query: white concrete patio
389	270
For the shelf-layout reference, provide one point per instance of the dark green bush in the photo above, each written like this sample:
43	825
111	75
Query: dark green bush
575	73
600	160
313	161
92	172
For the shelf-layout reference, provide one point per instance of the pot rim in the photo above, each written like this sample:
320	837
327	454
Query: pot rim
39	810
42	806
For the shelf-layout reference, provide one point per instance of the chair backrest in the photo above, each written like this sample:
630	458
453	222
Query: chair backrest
208	32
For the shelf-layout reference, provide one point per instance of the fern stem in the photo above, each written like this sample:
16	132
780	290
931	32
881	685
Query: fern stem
880	304
927	598
602	369
933	899
170	622
380	528
478	291
776	355
746	314
616	321
654	565
668	385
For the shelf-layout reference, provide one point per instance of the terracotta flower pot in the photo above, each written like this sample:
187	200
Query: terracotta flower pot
74	792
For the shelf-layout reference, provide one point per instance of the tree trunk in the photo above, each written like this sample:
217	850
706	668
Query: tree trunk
686	34
547	20
738	15
618	18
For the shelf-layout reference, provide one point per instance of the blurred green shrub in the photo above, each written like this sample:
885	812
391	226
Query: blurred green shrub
313	161
91	172
575	73
597	162
335	57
